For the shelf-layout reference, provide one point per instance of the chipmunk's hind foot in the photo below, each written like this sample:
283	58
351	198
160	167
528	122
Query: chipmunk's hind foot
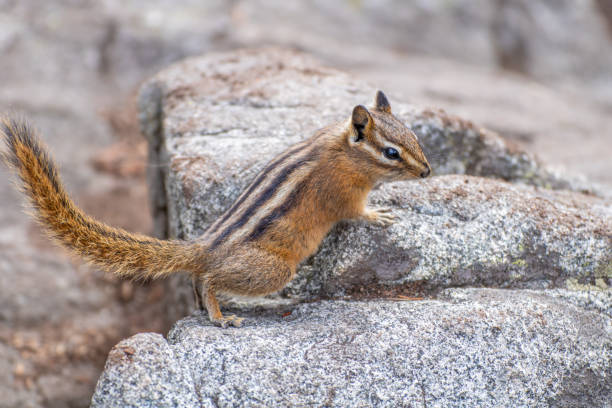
227	321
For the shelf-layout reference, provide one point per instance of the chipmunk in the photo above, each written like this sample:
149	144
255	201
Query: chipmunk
254	248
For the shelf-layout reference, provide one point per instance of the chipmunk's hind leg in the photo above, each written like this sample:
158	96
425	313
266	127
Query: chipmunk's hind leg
196	283
214	313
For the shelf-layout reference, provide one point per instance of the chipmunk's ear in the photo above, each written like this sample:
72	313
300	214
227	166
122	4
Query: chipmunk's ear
381	102
361	121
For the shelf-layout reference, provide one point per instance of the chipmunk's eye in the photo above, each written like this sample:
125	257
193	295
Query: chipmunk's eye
391	153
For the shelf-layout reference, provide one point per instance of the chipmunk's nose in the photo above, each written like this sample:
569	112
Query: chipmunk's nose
426	172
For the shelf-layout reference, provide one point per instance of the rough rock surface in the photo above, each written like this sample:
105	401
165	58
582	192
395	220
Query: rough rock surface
497	218
143	371
213	122
466	231
474	347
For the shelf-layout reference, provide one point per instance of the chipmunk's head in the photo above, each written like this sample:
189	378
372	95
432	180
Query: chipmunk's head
390	149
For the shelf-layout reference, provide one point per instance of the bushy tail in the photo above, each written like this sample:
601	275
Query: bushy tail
116	250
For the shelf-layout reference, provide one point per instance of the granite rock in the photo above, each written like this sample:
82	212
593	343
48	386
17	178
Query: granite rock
214	121
472	347
455	231
492	216
143	371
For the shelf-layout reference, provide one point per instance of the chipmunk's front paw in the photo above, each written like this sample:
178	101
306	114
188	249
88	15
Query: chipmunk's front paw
380	216
226	321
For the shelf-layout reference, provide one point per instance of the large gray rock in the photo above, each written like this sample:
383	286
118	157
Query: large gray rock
213	122
465	231
475	347
497	218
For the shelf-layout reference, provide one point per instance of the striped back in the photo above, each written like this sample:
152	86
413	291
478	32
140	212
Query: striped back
271	195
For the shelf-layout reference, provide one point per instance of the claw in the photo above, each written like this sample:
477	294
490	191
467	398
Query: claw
380	216
231	320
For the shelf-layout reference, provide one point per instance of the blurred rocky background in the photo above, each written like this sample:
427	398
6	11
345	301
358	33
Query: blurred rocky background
538	72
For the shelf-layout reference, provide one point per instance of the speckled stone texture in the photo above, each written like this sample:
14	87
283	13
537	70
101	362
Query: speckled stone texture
143	371
465	231
213	122
470	348
492	216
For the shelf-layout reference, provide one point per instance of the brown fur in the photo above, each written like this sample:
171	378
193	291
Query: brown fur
297	200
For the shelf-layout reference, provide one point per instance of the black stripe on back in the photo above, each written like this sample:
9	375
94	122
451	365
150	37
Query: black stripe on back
265	196
278	212
254	185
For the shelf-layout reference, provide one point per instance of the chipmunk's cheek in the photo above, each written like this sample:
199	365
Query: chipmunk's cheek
408	175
